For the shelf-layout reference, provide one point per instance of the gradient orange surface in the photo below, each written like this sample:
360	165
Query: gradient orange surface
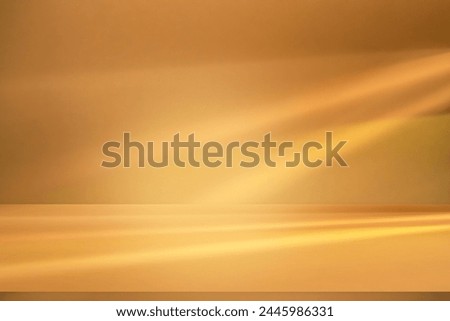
160	248
74	75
